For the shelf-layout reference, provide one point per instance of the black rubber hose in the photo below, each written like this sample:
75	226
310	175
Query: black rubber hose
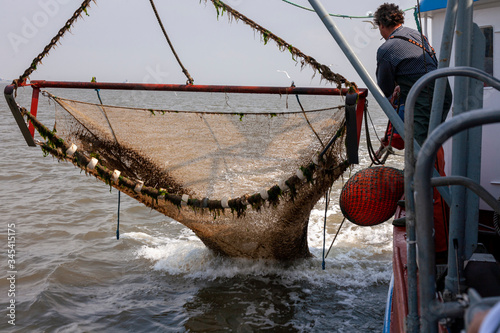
496	221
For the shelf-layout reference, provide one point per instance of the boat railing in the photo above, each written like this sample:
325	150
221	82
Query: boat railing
458	14
418	186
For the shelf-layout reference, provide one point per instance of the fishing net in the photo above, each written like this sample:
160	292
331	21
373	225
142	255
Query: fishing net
244	178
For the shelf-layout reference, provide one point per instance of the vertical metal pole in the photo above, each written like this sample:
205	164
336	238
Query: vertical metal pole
475	136
435	120
425	26
412	323
444	62
459	150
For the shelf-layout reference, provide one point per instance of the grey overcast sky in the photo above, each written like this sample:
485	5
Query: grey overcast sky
120	40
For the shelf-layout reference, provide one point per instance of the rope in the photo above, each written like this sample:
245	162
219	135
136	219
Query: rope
339	133
266	35
371	121
338	231
374	156
164	111
416	13
327	199
102	109
118	221
78	13
184	70
308	122
336	15
419	26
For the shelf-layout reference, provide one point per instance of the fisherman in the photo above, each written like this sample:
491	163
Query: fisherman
402	59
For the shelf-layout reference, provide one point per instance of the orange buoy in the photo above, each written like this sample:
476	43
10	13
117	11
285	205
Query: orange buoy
370	197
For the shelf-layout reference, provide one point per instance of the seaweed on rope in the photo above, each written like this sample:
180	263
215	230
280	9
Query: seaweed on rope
325	72
57	147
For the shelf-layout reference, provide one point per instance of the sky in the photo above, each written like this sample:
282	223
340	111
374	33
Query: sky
120	40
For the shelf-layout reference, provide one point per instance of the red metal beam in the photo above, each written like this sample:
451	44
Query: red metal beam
34	109
195	88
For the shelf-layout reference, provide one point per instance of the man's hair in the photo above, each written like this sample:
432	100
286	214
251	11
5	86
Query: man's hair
389	15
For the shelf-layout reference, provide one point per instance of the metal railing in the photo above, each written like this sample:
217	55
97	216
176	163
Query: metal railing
410	152
431	310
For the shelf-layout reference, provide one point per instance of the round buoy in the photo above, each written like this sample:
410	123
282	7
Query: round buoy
370	197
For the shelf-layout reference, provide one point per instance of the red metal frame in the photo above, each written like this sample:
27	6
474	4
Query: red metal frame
37	84
195	88
34	108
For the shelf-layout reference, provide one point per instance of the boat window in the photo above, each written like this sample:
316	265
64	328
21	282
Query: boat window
488	59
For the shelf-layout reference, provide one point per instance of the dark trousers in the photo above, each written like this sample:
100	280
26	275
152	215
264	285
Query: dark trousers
423	104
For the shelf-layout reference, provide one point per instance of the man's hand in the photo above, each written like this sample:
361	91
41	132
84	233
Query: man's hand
395	96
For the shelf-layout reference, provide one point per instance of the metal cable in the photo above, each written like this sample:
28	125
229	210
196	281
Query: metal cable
371	152
336	15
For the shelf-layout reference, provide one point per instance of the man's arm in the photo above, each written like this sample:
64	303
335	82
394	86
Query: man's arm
386	77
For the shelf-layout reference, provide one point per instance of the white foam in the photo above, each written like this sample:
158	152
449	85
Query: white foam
139	236
360	256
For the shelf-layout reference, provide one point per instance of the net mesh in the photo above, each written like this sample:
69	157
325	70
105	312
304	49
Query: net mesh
237	159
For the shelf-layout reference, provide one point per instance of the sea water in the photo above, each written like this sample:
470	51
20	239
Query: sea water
73	275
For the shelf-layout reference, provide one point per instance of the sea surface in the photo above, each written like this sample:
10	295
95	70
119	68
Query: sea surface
71	274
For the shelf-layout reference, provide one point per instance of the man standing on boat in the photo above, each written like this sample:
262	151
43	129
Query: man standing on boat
405	57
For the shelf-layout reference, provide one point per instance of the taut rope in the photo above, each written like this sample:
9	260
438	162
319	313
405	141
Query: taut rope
184	70
324	70
53	42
